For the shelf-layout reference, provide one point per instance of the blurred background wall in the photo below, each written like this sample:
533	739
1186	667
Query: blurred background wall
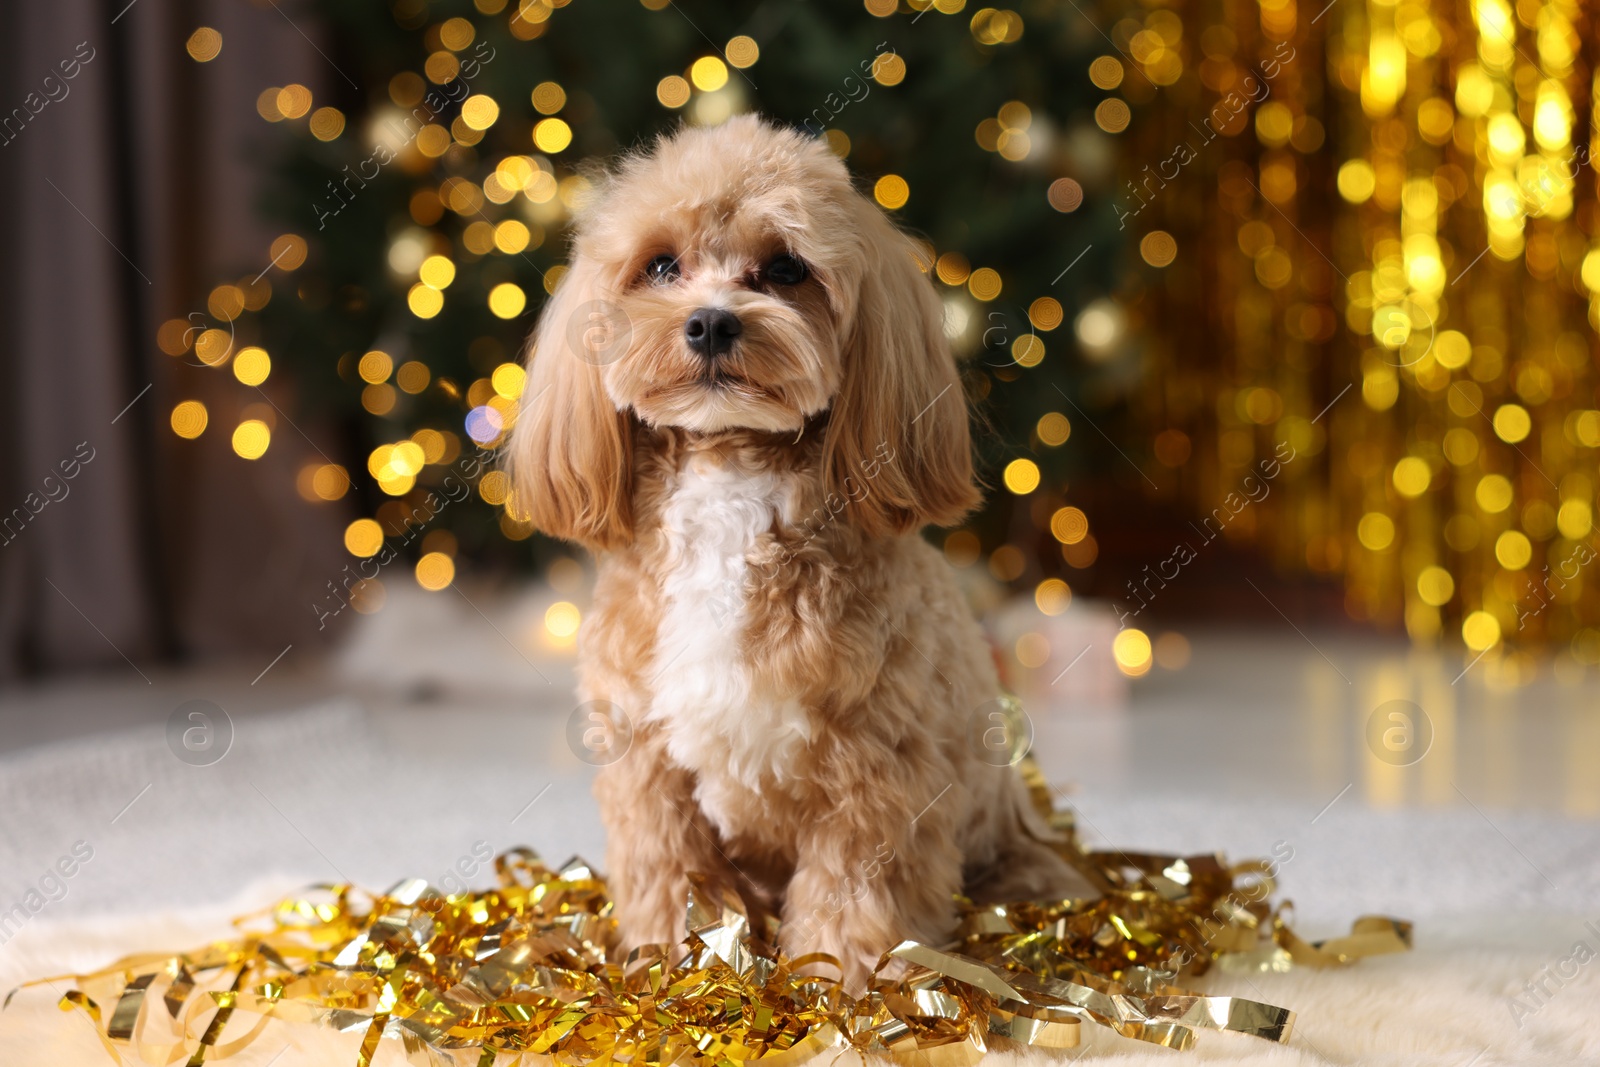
131	185
1272	311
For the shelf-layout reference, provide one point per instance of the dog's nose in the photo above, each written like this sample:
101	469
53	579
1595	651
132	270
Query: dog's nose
710	331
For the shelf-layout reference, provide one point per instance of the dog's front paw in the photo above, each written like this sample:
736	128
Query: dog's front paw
857	935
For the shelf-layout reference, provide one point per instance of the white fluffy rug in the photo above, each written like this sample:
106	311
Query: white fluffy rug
335	792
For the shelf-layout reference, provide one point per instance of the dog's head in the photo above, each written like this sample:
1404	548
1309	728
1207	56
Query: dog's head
732	278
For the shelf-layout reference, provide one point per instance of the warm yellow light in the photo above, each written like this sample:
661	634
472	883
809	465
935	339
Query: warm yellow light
1045	313
1106	72
1452	349
432	443
1022	476
1069	525
548	98
213	346
1112	115
1357	181
1493	493
672	91
1590	271
1411	476
1481	631
1512	423
1575	519
251	438
552	135
952	268
984	283
1274	123
1053	429
327	123
1375	531
891	191
455	34
1027	350
1474	91
508	380
435	571
437	272
375	366
424	301
1435	586
1053	596
708	74
252	365
888	69
561	619
494	487
1131	649
441	67
407	459
294	100
742	51
363	538
1435	120
330	482
511	236
1502	199
507	300
203	45
1552	117
1384	80
189	419
1513	550
479	111
288	251
412	377
396	484
1158	248
1506	138
379	399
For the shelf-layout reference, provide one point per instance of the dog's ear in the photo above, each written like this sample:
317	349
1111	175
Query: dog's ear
898	446
570	456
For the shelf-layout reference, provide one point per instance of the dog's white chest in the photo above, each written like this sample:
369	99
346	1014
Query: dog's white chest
721	717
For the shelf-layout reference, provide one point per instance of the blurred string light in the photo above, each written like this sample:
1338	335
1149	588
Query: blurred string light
491	179
1446	267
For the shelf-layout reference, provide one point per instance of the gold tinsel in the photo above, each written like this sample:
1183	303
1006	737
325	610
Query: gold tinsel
1387	215
531	967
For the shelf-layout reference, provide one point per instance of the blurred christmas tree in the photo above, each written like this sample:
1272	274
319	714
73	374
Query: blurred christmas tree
427	210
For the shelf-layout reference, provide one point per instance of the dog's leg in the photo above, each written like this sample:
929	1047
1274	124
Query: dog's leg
656	836
867	881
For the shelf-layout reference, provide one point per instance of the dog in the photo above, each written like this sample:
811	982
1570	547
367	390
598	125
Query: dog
741	399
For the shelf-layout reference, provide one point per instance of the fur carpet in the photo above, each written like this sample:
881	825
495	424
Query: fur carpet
1500	896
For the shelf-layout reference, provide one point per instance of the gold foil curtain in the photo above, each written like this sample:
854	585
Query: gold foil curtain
1386	220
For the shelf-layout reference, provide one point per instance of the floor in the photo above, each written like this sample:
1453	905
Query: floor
1251	715
440	735
443	727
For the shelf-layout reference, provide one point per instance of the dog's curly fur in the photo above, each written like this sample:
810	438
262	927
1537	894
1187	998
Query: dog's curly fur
799	667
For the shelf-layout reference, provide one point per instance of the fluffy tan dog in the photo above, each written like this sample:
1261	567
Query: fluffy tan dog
742	401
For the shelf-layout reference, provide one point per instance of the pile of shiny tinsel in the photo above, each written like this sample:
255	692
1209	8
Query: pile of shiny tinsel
530	966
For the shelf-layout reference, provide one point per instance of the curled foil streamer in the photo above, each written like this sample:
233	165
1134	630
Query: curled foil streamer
532	966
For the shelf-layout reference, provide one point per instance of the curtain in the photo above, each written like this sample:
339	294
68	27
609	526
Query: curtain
129	173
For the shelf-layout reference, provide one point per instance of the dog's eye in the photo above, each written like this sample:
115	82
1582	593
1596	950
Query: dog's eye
662	269
785	270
